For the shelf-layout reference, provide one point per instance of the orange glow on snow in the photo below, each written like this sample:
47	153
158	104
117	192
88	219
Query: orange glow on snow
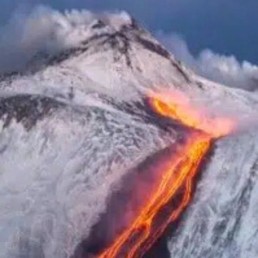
178	107
177	175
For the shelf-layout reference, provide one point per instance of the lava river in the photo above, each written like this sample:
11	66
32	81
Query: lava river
176	182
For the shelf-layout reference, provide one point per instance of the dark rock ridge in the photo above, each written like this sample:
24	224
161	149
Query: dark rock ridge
26	109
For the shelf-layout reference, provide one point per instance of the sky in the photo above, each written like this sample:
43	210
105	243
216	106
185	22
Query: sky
226	26
218	39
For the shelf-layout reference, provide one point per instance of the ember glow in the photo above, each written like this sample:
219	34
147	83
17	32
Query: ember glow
177	176
178	107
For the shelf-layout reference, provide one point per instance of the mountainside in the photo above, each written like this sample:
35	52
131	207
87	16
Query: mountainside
222	220
74	125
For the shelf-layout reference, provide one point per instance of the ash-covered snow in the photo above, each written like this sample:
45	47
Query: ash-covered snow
73	123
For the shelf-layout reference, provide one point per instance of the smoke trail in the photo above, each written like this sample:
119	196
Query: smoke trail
44	31
220	68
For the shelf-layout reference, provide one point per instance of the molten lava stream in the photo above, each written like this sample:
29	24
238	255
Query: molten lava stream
178	174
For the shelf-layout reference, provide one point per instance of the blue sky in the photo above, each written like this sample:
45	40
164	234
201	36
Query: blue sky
225	26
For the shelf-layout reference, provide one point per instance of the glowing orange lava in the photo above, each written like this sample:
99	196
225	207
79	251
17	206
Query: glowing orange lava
178	107
178	174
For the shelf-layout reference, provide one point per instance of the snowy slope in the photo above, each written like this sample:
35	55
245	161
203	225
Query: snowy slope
74	123
222	220
56	176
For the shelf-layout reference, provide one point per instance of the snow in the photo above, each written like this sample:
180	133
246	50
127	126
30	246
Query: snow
55	179
222	220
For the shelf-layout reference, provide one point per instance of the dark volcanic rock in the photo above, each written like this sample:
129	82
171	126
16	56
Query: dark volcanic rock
27	109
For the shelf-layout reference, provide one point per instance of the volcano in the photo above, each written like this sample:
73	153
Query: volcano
111	146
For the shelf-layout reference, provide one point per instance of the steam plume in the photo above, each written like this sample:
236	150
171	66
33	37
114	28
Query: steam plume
220	68
45	31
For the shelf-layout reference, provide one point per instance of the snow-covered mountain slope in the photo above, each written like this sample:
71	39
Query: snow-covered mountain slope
56	175
73	124
222	220
113	58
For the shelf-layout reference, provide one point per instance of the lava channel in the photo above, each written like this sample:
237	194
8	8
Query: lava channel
177	176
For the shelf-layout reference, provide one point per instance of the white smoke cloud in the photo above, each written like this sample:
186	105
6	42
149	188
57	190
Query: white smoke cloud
44	30
27	34
220	68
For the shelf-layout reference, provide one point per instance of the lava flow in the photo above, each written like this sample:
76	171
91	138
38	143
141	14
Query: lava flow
177	175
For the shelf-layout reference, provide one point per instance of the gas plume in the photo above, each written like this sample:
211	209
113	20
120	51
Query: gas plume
44	31
225	69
